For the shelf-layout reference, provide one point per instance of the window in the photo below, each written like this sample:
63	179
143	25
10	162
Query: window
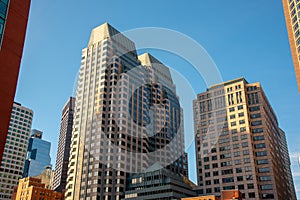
216	181
242	121
262	162
215	173
238	170
228	171
266	187
228	180
239	178
236	154
260	146
215	165
206	159
208	190
226	155
241	187
257	130
241	114
245	144
248	169
256	123
235	138
231	109
257	138
237	162
250	186
260	153
207	174
254	116
217	189
240	107
251	194
233	131
263	170
224	164
233	123
255	108
243	137
265	178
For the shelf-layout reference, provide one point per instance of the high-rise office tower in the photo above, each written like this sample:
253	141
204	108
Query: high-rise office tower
63	149
292	17
13	23
38	154
239	144
14	156
127	118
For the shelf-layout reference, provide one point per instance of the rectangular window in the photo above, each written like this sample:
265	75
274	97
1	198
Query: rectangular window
255	108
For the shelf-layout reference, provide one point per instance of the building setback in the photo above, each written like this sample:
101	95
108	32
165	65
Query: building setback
38	154
127	117
13	23
63	149
239	144
292	17
14	156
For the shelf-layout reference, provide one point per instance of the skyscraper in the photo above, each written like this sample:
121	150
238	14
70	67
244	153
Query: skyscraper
13	23
127	118
63	149
292	17
38	154
239	144
13	160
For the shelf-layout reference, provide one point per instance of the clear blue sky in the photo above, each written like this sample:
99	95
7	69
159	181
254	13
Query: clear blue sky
244	38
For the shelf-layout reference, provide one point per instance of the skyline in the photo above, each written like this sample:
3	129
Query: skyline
270	49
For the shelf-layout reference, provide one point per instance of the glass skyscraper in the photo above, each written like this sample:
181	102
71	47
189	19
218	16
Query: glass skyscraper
3	12
38	154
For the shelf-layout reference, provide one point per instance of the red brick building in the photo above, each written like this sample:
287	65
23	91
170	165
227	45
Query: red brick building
13	23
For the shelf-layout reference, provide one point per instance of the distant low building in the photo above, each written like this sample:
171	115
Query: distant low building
47	177
226	195
31	188
158	184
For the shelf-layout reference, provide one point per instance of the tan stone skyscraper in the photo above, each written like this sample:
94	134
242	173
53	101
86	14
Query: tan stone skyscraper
292	17
127	117
239	144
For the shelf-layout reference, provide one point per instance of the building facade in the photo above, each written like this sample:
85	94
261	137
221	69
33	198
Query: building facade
38	154
14	156
292	17
127	117
13	23
158	184
64	144
31	188
239	144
